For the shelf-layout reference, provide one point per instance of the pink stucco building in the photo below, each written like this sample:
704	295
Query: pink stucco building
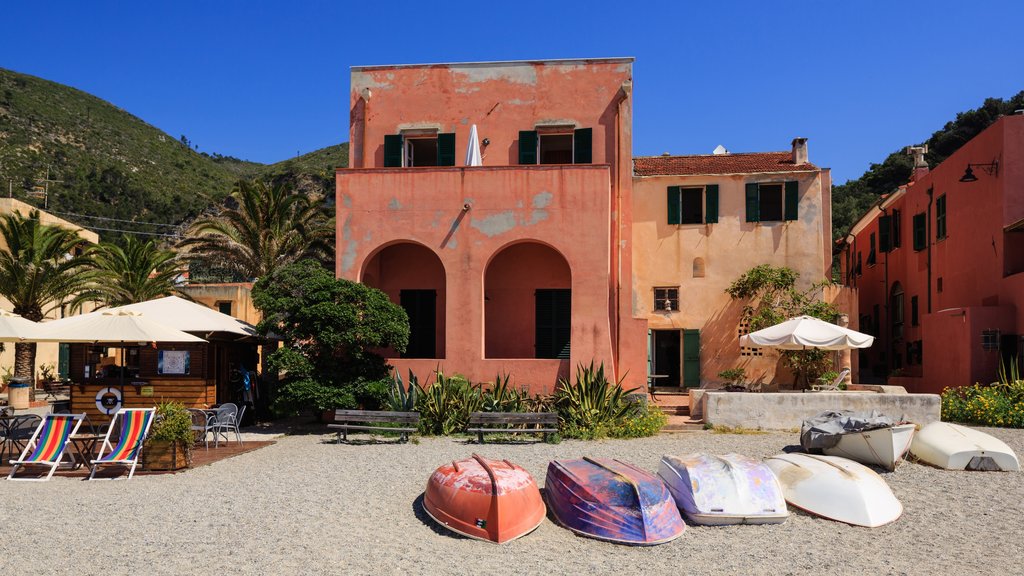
521	265
939	267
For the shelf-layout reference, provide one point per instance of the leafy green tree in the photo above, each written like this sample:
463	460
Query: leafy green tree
262	228
772	297
40	269
332	330
133	271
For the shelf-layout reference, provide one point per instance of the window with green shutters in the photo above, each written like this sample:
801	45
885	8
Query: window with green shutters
896	228
556	147
885	233
772	201
425	150
920	231
691	358
692	204
940	217
871	250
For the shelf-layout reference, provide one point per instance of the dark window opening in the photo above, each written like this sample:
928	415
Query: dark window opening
770	202
896	309
913	311
666	299
665	358
421	152
555	148
990	340
920	231
553	323
938	284
871	252
692	206
940	217
224	308
421	307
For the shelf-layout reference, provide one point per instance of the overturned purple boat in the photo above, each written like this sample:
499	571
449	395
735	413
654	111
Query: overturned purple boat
612	500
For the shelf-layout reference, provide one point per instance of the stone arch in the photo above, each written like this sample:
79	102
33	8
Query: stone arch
413	276
527	302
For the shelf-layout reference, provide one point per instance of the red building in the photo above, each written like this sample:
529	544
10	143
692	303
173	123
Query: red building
939	267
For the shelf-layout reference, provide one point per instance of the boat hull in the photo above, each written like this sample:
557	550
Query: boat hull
882	447
955	447
836	488
491	500
719	490
613	501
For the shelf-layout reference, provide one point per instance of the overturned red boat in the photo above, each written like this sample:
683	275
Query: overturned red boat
492	500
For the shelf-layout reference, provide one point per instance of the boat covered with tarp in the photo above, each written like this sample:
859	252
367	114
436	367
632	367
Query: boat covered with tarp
492	500
726	489
870	437
612	500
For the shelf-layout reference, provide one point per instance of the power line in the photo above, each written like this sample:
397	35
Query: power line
113	219
160	234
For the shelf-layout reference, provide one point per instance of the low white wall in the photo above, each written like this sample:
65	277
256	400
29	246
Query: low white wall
780	411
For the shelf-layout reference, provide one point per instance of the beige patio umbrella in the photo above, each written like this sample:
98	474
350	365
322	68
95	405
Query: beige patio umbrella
14	328
176	312
805	332
108	327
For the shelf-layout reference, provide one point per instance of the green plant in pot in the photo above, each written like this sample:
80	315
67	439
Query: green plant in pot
169	443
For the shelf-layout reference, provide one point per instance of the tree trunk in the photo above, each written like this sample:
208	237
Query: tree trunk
25	360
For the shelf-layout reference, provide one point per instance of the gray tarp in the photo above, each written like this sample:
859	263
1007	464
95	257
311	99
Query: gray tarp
824	430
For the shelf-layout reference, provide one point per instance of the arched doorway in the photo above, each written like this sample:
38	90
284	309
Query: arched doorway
527	303
413	277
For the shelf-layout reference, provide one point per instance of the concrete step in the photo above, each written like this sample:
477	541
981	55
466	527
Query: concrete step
678	424
675	410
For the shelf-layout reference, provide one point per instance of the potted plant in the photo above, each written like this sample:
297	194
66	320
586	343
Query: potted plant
170	440
734	377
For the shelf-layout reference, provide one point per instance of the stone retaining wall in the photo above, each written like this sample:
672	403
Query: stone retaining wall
781	411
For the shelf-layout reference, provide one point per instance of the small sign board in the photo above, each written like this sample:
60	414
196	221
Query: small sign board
146	391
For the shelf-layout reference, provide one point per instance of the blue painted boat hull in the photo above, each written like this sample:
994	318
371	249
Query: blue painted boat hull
612	500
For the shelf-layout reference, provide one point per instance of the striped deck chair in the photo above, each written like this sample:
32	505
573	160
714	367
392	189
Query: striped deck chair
48	444
135	424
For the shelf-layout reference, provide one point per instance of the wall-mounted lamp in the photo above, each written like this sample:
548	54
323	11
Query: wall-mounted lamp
486	142
990	168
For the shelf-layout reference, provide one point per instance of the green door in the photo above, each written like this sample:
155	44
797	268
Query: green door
63	359
691	358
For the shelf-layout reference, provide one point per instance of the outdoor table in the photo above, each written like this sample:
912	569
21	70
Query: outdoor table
85	447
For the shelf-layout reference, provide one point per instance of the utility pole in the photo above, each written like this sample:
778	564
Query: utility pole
46	187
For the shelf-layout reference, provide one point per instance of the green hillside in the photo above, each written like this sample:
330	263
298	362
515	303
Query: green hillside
103	161
852	199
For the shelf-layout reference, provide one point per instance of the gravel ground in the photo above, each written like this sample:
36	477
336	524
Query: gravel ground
306	505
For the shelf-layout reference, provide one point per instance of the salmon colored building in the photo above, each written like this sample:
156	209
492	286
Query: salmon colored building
699	223
939	267
522	264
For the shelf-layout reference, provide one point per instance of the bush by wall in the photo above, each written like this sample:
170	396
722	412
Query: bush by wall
999	404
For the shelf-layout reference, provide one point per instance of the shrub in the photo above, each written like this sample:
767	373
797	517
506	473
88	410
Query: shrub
172	423
445	406
400	398
591	406
734	376
999	404
501	397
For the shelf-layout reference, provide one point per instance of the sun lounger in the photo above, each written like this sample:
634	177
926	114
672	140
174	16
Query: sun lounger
135	424
48	444
834	385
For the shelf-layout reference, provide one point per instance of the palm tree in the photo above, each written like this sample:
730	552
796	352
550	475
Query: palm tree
136	271
270	227
40	269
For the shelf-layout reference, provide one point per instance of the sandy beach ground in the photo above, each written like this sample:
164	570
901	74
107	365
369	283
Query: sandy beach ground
308	506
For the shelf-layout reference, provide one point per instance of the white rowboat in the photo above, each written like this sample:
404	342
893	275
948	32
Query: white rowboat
836	488
729	489
883	447
956	447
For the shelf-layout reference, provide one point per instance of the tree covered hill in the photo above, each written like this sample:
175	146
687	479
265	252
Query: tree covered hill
103	161
852	199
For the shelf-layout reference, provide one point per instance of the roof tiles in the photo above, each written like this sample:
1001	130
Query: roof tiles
718	164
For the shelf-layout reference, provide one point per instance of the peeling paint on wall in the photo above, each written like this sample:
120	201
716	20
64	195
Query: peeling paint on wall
394	204
362	80
348	257
492	226
346	200
515	73
540	201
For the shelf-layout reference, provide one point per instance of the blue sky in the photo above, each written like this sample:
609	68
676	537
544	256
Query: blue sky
264	80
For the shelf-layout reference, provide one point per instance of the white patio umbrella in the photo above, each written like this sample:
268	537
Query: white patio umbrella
805	332
121	326
473	157
14	328
176	312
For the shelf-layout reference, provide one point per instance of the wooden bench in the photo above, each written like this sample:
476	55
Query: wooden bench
365	420
502	423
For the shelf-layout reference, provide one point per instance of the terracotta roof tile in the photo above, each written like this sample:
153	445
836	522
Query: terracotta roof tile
718	164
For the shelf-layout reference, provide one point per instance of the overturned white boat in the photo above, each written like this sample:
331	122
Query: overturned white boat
956	447
866	437
836	488
729	489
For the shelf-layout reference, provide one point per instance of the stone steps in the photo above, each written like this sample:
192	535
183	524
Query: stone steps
678	424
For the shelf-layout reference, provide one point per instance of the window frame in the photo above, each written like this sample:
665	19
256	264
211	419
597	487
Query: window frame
666	296
782	201
941	231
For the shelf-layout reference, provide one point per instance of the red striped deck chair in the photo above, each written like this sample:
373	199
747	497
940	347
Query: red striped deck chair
48	444
135	424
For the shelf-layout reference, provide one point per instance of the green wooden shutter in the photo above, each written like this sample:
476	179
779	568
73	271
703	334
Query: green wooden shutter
896	228
675	204
711	204
582	146
792	199
920	231
940	217
691	358
393	150
527	146
885	233
63	359
553	323
753	212
446	149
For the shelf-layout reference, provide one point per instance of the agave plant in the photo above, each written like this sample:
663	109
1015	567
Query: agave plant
592	404
504	398
445	405
402	399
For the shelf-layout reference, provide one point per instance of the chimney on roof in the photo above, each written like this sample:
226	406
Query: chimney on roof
720	150
800	151
920	164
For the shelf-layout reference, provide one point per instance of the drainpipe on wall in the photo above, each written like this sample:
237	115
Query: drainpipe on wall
928	242
622	96
888	317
